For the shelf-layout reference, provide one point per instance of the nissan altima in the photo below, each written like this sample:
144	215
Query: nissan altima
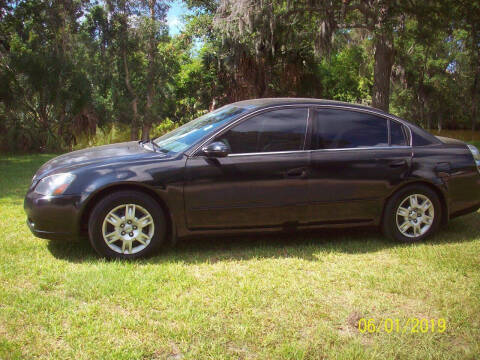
257	165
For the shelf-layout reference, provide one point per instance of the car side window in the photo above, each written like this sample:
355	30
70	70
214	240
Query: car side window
342	129
278	130
398	134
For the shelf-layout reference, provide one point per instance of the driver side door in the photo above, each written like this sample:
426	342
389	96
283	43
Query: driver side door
263	180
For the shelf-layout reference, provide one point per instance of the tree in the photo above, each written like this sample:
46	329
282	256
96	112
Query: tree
44	89
468	15
69	68
139	31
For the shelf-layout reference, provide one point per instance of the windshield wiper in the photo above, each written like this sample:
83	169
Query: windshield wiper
143	142
155	147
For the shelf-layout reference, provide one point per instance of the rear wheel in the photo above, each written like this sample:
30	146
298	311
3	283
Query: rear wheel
412	214
127	225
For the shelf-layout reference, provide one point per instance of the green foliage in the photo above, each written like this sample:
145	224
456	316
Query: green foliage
77	72
44	86
344	77
114	133
118	132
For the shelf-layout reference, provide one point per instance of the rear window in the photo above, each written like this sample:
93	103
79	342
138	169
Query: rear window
341	129
421	138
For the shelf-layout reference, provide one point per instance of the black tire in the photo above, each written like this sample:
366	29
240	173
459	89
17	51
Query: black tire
110	202
389	223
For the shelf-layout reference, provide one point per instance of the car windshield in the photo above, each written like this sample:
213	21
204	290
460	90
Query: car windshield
187	135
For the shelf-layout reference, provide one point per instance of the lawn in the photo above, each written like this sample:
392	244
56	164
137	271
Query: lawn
296	296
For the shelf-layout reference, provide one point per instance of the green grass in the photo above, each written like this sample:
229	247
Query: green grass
278	297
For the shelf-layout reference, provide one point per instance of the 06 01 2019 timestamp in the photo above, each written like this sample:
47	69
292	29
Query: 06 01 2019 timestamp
404	326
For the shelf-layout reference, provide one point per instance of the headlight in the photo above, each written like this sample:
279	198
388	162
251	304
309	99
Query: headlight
54	184
476	155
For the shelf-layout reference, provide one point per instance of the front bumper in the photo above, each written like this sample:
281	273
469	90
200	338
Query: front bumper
53	217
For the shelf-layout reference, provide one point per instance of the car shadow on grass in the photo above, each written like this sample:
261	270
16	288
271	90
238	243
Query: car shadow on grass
303	244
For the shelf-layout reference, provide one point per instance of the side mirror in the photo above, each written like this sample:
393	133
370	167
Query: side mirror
216	149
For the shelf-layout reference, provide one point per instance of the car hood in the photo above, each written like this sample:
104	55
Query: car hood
104	154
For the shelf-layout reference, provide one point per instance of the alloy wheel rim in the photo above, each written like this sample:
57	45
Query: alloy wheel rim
415	215
128	229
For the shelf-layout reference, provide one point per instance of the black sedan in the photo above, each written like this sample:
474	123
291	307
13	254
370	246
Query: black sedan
258	165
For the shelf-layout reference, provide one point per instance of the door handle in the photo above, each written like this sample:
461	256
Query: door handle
397	163
297	173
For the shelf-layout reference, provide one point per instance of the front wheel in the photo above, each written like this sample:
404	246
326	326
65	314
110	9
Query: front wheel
127	225
412	214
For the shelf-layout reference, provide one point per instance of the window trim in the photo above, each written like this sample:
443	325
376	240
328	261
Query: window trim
372	112
322	150
248	117
192	152
389	132
406	134
387	118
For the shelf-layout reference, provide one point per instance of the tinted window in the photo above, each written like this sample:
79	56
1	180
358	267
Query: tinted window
422	138
337	129
280	130
398	135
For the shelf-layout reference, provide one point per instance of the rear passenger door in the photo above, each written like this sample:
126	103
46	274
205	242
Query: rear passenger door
395	161
357	158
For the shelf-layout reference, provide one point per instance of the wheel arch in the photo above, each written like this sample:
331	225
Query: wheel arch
441	196
100	194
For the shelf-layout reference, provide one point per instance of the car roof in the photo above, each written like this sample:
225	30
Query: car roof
267	102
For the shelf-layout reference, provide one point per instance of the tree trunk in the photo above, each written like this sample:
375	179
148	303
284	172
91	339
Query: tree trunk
384	57
422	110
146	131
151	57
148	118
134	126
213	105
134	122
475	91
